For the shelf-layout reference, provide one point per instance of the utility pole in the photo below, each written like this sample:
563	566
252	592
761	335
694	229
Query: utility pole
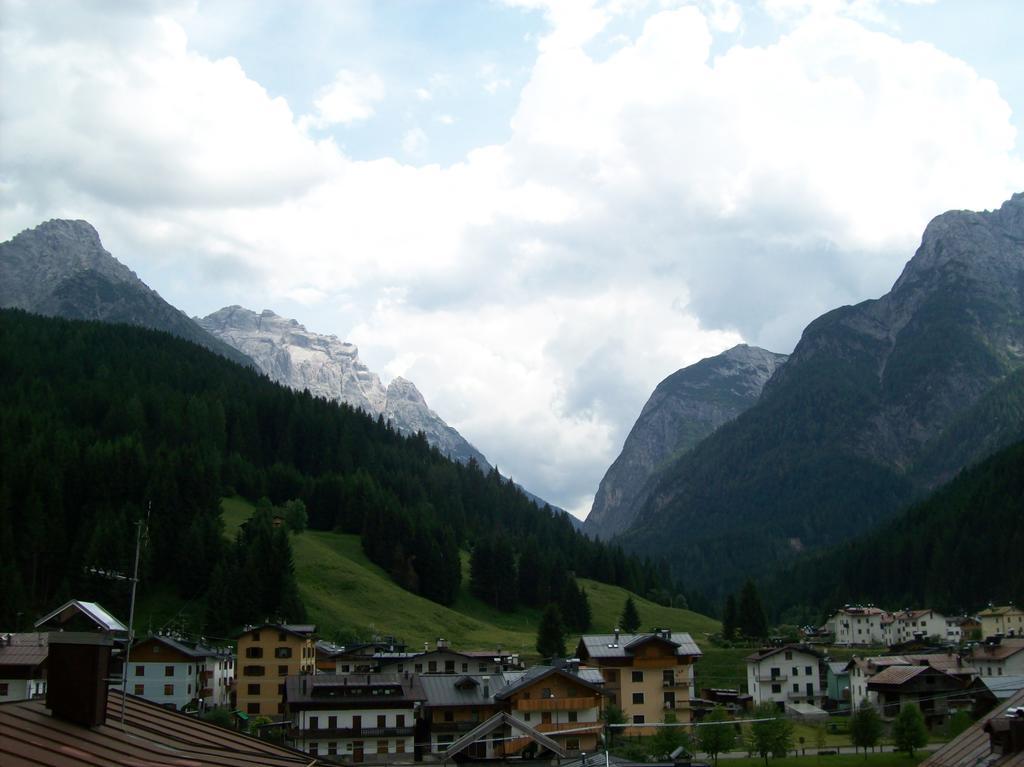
131	612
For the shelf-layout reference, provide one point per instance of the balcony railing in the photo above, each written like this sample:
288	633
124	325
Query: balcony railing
770	678
453	726
352	732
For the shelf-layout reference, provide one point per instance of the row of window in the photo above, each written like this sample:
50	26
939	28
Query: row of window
256	708
254	688
262	671
383	747
357	722
432	668
257	652
168	689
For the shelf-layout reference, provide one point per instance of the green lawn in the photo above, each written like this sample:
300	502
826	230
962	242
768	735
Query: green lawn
835	760
345	592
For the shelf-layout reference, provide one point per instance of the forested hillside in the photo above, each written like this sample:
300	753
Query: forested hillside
103	424
955	551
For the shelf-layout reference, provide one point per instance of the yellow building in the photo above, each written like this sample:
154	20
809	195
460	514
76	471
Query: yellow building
1006	620
267	655
646	675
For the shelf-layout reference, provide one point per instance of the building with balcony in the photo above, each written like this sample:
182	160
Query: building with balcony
180	675
856	625
23	666
356	717
1007	621
907	626
787	675
454	705
446	660
646	675
999	657
267	655
935	692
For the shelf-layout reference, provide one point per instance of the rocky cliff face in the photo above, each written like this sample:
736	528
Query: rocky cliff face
684	409
331	368
61	269
848	430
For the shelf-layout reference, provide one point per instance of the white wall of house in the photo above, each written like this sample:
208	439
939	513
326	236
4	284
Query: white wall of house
788	676
905	628
223	668
332	744
21	689
854	627
167	684
534	718
859	692
988	667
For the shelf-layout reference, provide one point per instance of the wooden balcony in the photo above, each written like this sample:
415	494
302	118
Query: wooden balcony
557	704
573	727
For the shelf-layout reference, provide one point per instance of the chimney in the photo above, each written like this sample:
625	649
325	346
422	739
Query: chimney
487	687
442	643
78	667
616	635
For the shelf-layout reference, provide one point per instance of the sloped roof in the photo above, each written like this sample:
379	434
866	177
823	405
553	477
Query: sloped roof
352	689
303	630
995	611
190	649
537	673
24	649
92	610
1003	687
504	719
610	646
152	735
973	745
767	652
1001	651
895	675
445	690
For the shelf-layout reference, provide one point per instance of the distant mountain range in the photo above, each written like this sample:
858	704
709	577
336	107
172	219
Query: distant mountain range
60	269
684	409
878	404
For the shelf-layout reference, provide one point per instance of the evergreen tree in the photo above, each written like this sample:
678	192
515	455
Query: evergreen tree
750	614
718	735
630	618
865	727
551	633
908	730
729	618
773	736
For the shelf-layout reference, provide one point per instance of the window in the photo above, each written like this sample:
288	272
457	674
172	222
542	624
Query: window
807	670
382	720
282	671
332	722
810	689
399	720
168	689
280	689
253	671
332	748
344	668
449	716
283	652
796	687
573	716
255	636
253	689
776	688
547	693
526	716
314	723
638	676
400	746
789	655
638	719
796	671
190	670
139	689
314	749
638	698
168	670
449	667
140	671
432	666
382	746
776	673
252	708
572	744
465	667
253	652
282	636
482	667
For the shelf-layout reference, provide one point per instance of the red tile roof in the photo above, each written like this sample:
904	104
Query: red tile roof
152	736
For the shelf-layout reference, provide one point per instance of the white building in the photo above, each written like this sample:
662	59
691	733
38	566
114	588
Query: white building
180	675
358	717
853	625
786	675
914	625
1000	657
22	666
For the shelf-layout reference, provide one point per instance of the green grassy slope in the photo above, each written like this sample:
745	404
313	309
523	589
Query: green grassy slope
345	592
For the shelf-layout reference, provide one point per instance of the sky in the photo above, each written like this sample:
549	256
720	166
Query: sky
533	209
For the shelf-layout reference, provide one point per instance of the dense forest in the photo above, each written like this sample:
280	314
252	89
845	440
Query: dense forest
104	426
953	552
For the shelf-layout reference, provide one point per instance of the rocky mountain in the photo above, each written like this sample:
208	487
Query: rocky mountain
684	409
292	355
846	432
61	269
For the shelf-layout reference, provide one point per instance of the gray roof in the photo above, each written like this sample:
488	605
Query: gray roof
191	649
539	672
608	646
91	610
1004	686
838	667
463	689
353	690
23	649
592	675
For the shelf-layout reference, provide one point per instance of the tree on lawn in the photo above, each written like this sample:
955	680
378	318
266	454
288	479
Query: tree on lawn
750	613
667	739
729	618
774	735
551	633
908	731
865	727
613	715
717	735
630	618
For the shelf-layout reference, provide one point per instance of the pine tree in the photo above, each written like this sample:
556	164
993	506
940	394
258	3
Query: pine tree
551	633
729	618
908	730
750	613
630	618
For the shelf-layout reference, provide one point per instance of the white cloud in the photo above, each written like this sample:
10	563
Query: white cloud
350	98
446	119
649	208
423	94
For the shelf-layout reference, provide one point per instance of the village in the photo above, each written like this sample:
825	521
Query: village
283	693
